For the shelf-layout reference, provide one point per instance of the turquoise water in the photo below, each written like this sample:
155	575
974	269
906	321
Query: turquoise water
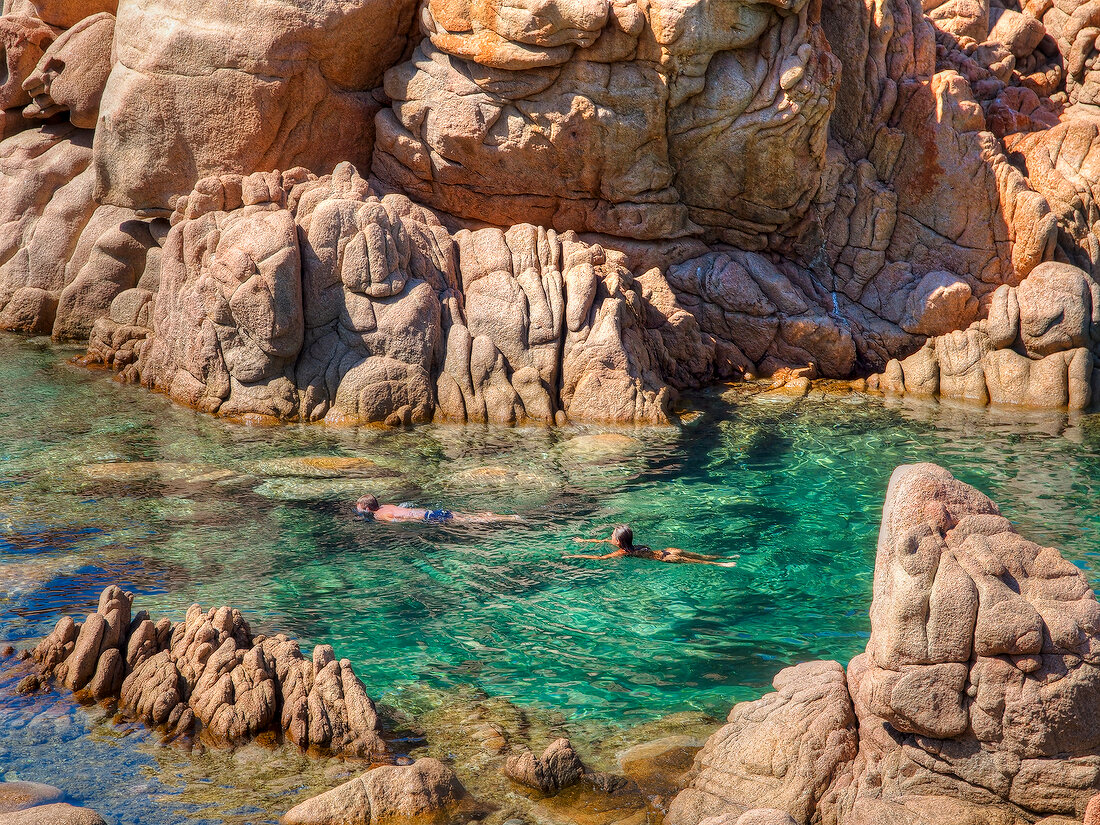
102	483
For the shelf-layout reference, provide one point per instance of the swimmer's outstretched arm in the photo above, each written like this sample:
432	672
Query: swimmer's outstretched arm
592	541
483	518
613	555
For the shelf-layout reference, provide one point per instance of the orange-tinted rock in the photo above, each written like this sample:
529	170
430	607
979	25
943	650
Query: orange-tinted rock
643	122
207	88
72	73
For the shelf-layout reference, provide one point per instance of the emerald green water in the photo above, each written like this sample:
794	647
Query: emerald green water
102	483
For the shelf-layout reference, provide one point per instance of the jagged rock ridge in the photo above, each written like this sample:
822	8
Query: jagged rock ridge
209	679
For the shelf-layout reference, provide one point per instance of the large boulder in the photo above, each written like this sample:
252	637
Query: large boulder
557	768
1059	305
781	751
425	792
209	88
982	670
15	796
974	701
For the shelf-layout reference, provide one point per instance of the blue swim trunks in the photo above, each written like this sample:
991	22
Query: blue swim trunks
438	515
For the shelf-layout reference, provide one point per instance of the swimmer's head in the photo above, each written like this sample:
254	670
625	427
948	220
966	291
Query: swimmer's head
622	536
367	504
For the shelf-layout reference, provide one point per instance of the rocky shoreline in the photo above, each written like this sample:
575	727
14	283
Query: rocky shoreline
974	701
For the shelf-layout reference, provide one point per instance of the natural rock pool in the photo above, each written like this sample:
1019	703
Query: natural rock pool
102	483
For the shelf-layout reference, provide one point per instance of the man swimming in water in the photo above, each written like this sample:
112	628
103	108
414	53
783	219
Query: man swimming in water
368	506
622	538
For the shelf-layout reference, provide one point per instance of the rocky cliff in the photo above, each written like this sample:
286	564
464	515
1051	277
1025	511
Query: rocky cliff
550	210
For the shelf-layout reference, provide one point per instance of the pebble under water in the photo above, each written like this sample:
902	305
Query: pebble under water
102	483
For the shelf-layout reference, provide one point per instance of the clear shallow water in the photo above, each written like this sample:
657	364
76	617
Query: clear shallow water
101	483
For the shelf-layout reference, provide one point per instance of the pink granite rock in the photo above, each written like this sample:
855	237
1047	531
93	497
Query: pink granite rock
974	700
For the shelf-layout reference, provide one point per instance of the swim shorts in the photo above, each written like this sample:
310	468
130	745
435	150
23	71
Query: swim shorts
438	515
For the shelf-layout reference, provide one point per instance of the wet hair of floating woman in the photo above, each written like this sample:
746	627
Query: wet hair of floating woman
623	536
367	504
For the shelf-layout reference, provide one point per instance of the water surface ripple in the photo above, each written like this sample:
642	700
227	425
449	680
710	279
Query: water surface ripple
102	483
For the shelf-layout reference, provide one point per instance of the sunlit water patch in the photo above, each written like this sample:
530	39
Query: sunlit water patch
102	483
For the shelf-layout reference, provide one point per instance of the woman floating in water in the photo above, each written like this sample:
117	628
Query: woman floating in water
622	537
368	506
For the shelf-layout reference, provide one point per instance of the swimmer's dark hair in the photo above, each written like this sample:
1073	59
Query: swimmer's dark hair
367	503
624	536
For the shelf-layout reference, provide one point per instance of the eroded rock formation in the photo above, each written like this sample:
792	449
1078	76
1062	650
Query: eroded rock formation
209	679
291	296
974	701
638	121
382	211
1036	348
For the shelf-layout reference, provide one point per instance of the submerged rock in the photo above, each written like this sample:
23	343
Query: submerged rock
57	814
500	476
659	766
133	471
321	466
15	796
325	489
975	700
208	677
601	446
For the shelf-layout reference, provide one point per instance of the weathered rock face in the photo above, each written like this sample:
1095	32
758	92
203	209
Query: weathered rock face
782	751
990	696
209	88
289	296
73	72
975	700
644	121
208	677
1036	347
